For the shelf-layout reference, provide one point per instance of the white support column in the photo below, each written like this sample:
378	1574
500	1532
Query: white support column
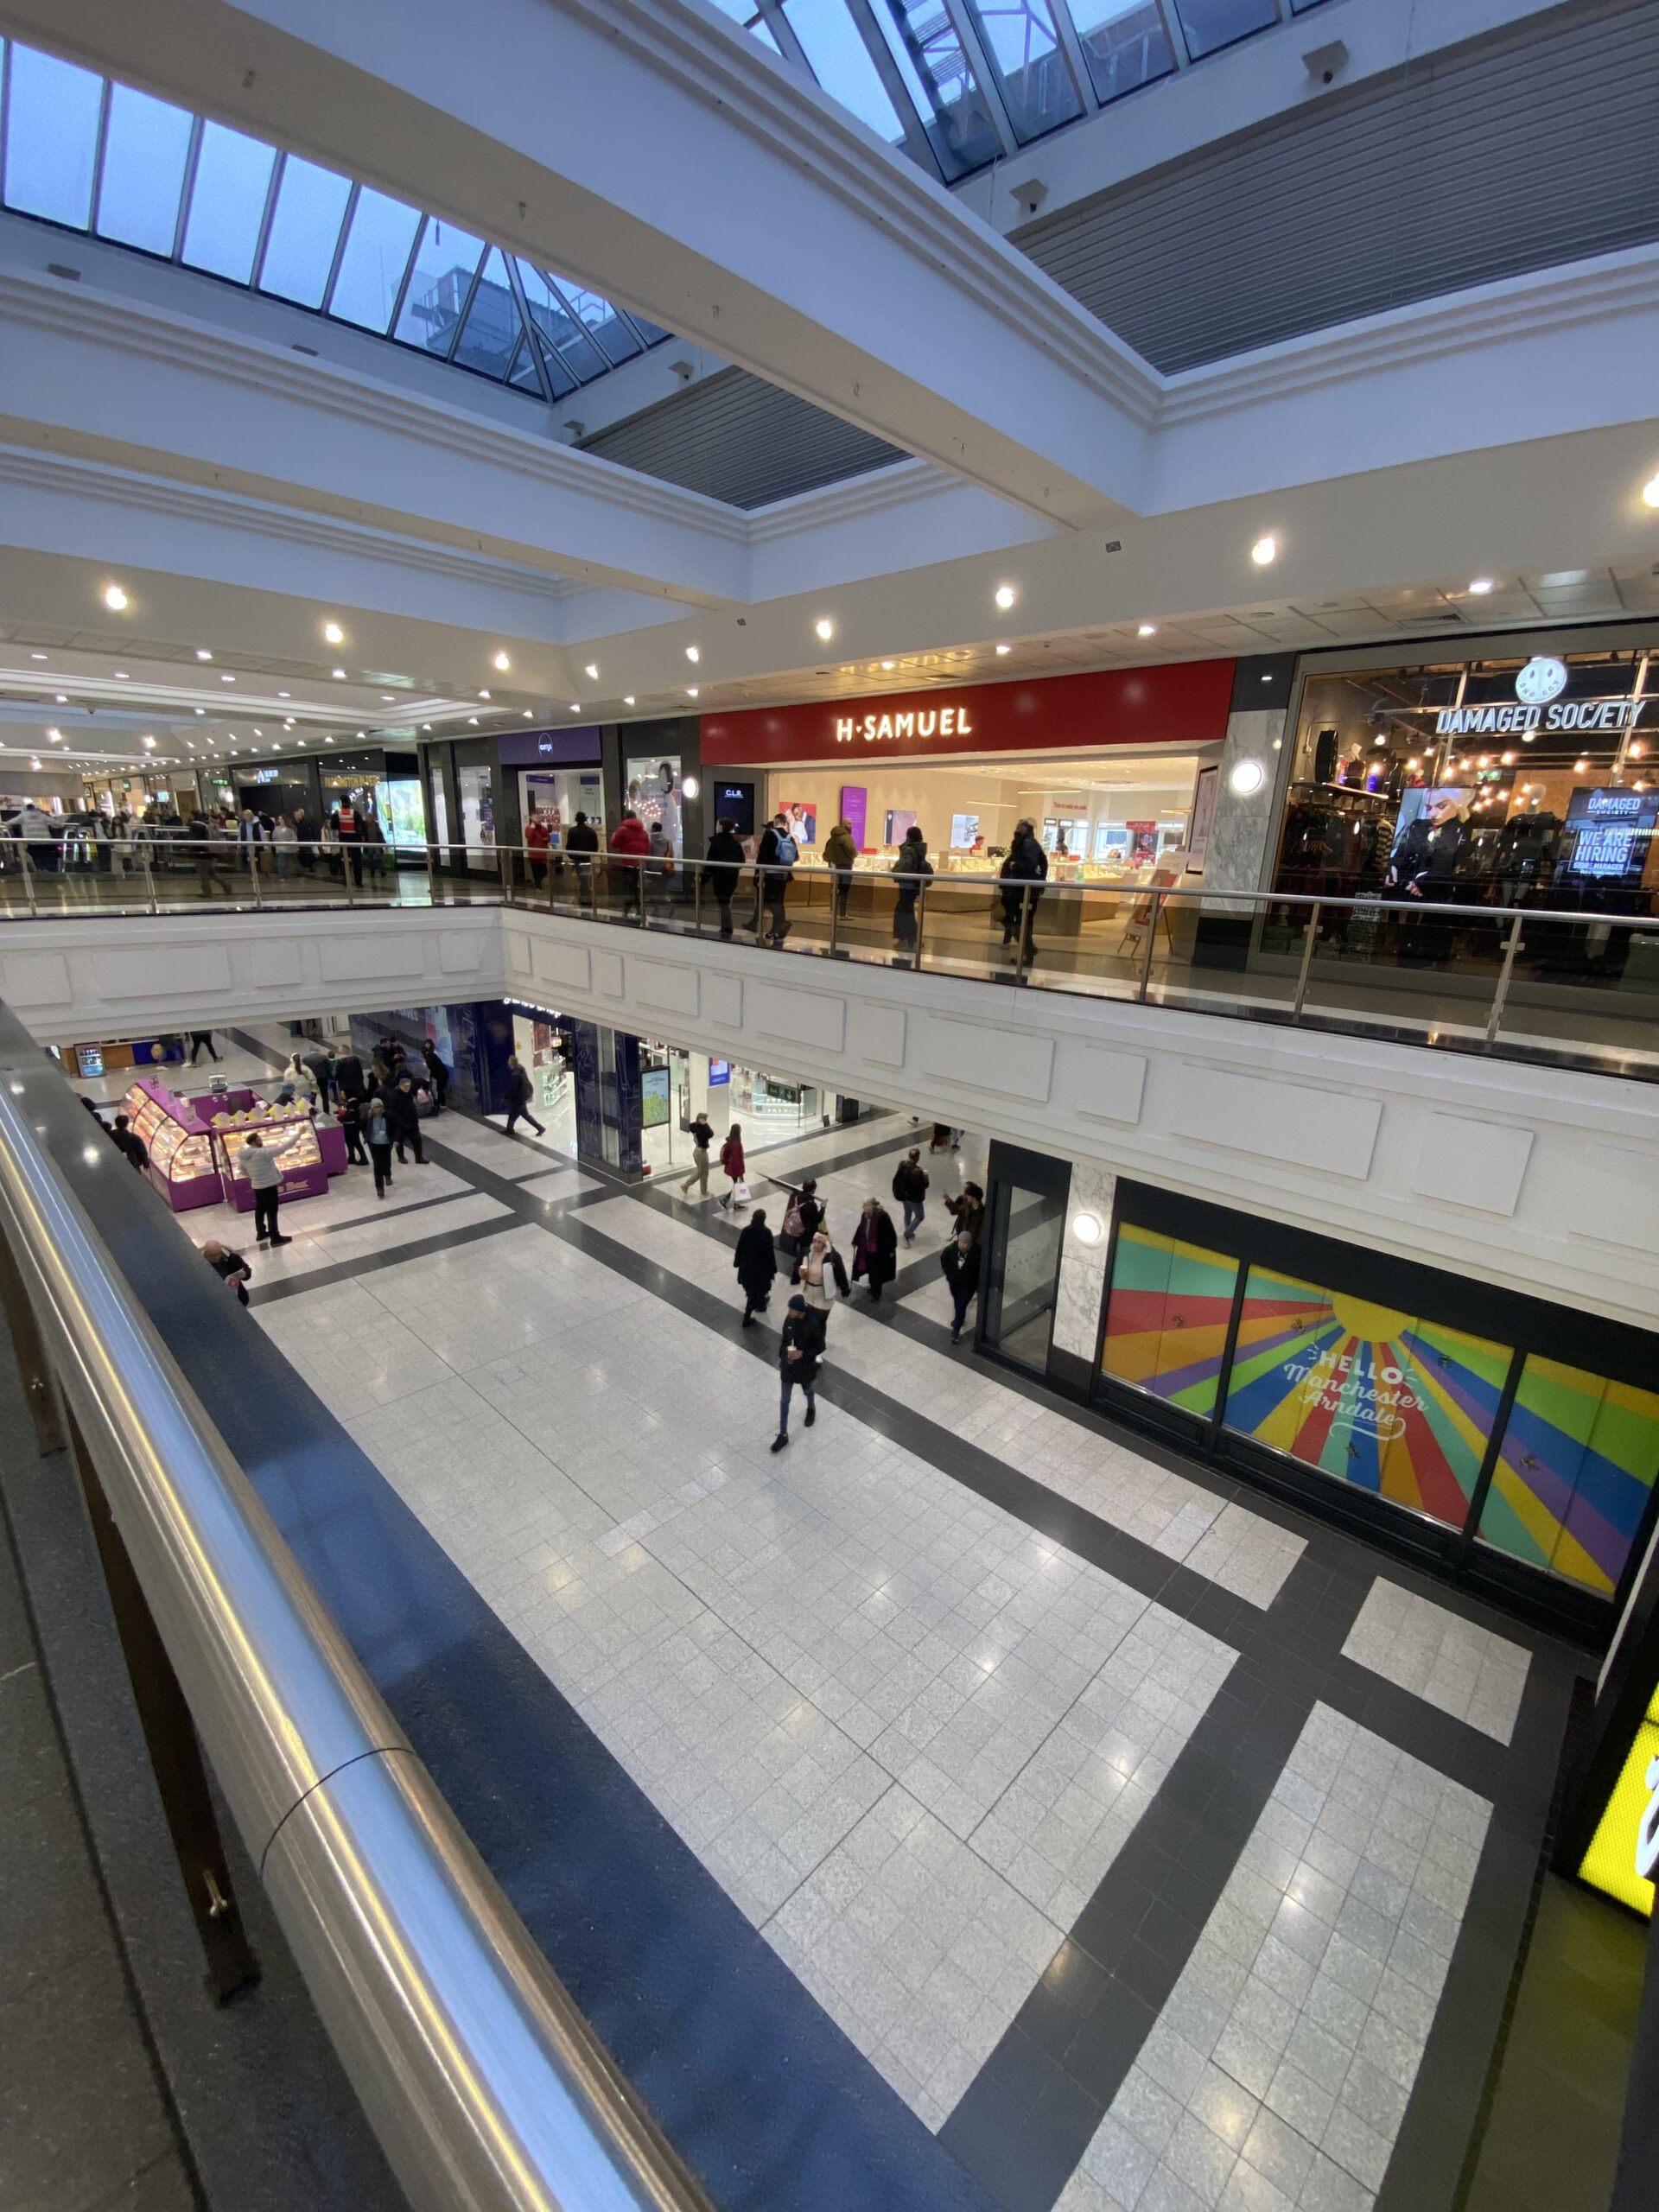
1082	1267
1240	835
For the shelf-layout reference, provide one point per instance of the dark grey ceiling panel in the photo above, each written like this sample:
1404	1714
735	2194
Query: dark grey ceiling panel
742	441
1520	151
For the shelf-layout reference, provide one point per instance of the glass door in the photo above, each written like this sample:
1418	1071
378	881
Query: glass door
1023	1237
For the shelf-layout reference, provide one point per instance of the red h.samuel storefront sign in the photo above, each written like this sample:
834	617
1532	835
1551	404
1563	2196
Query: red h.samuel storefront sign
1185	704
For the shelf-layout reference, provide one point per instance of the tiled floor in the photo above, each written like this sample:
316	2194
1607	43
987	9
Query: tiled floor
933	1750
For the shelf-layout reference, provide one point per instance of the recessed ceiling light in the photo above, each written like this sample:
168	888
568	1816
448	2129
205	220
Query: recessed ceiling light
628	699
114	598
149	740
1005	596
526	715
576	706
56	736
426	725
1147	630
60	698
1480	586
472	721
502	662
592	671
1264	550
888	664
34	763
202	653
333	633
1650	492
338	673
227	679
825	628
327	741
387	698
121	676
282	695
691	691
1001	650
202	710
694	653
37	656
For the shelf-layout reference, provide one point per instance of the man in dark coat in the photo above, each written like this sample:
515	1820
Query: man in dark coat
322	1074
756	1262
1025	870
875	1248
724	870
960	1261
349	1080
800	1347
521	1096
438	1070
402	1122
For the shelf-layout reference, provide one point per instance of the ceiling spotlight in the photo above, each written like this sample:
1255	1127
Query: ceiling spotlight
1382	738
1248	776
1002	651
690	786
35	762
694	653
282	695
149	740
327	741
483	694
1005	596
227	679
56	736
628	699
1147	630
202	710
472	721
576	706
202	653
691	691
502	662
592	671
1479	586
339	675
121	676
1650	492
62	698
527	715
37	656
114	598
362	732
426	725
824	627
1264	551
333	633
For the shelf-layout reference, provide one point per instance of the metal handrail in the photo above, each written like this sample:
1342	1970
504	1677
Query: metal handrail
484	2085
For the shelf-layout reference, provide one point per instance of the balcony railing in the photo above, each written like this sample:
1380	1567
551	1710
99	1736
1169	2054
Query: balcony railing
1574	985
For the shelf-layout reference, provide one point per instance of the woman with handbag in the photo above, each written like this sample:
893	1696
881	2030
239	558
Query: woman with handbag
820	1272
756	1262
731	1166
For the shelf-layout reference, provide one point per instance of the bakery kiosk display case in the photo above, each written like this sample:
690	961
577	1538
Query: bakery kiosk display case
288	1132
181	1163
195	1145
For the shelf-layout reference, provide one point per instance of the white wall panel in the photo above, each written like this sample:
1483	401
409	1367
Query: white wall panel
1109	1086
1331	1132
1479	1164
1007	1062
665	984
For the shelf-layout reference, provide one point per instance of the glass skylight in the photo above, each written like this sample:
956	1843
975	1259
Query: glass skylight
93	155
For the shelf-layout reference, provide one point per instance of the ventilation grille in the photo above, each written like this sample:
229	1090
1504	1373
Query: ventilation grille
740	439
1521	150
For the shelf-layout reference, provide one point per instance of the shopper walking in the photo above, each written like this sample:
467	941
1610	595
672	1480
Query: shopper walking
581	843
322	1068
521	1096
756	1262
285	847
775	858
349	1114
960	1261
349	1080
701	1136
800	1347
910	1188
911	870
264	1174
403	1119
1024	871
839	853
630	843
723	869
198	1039
438	1072
821	1272
377	1132
230	1267
731	1164
875	1249
128	1141
968	1210
200	830
298	1080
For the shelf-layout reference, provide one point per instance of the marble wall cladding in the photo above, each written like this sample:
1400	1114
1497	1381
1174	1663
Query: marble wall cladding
1082	1267
1240	835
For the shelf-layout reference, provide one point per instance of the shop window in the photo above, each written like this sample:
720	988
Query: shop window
655	794
1166	1318
1399	1407
1574	1473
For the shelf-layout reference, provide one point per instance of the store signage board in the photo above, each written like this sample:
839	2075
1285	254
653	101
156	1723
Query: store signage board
1185	704
525	749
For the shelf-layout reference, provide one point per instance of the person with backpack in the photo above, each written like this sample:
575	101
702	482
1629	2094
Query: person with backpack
800	1347
775	858
960	1261
701	1136
910	1188
731	1164
911	868
875	1249
1024	871
756	1262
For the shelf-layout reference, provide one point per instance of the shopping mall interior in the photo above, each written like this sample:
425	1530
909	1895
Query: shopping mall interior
828	1167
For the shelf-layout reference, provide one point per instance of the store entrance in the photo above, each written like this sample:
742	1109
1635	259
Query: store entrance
1024	1224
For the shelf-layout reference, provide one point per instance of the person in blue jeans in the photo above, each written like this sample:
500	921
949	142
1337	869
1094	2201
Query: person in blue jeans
910	1188
800	1347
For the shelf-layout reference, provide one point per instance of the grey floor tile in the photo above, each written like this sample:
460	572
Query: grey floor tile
50	1909
30	1759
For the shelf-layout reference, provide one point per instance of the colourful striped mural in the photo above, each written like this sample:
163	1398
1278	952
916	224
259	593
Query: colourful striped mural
1574	1473
1166	1319
1398	1406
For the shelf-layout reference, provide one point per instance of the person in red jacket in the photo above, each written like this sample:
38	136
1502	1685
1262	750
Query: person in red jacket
731	1161
538	831
629	846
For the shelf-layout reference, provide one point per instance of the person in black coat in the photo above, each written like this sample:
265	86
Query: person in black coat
349	1079
1025	869
439	1073
800	1347
230	1267
756	1262
960	1261
724	871
521	1096
322	1074
875	1248
402	1122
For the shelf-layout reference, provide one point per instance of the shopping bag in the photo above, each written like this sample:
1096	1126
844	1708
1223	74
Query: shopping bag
740	1194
